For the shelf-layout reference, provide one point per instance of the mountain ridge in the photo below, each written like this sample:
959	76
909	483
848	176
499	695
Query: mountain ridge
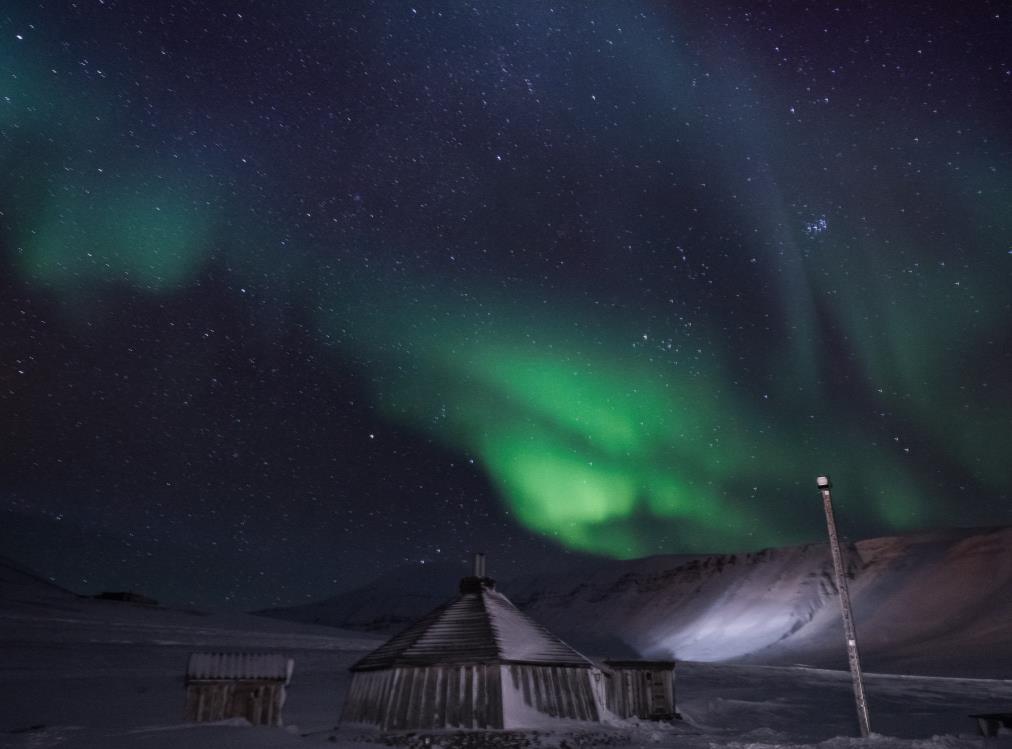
932	600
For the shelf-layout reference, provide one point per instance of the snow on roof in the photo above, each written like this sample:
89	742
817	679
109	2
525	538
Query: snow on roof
479	626
213	666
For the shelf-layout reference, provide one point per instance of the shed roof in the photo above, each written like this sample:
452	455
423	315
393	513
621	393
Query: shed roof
218	666
481	625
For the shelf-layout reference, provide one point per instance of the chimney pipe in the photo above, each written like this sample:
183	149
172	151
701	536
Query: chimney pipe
479	565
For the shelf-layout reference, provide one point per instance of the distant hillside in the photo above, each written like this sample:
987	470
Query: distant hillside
20	587
35	613
384	606
921	601
933	602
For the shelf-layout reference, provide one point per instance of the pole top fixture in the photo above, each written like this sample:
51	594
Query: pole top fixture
824	482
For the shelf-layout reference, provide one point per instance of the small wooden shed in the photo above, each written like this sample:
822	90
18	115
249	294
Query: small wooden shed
476	662
641	689
237	685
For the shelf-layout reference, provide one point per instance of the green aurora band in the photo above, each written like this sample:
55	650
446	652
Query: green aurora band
145	237
606	446
592	435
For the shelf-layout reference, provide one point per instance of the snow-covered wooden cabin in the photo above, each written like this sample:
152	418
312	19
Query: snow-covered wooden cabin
475	662
640	689
237	685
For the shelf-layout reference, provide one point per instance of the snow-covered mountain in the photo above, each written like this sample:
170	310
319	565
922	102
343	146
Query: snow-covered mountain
22	588
385	606
932	602
927	601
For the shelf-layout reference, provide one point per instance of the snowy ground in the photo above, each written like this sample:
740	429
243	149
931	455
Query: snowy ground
110	675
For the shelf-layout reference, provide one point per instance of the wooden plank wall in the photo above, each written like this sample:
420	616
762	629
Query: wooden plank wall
259	702
426	697
465	696
630	693
556	691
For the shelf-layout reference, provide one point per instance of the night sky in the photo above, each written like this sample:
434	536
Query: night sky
293	293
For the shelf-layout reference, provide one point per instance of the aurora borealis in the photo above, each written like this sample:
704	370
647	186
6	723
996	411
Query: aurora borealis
304	292
612	448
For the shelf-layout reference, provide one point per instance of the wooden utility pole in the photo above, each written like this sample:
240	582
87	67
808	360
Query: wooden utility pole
848	618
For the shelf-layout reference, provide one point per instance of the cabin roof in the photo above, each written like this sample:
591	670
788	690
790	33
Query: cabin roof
481	625
220	666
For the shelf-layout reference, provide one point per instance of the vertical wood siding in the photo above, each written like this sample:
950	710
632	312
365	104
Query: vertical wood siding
557	691
258	702
640	693
426	697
